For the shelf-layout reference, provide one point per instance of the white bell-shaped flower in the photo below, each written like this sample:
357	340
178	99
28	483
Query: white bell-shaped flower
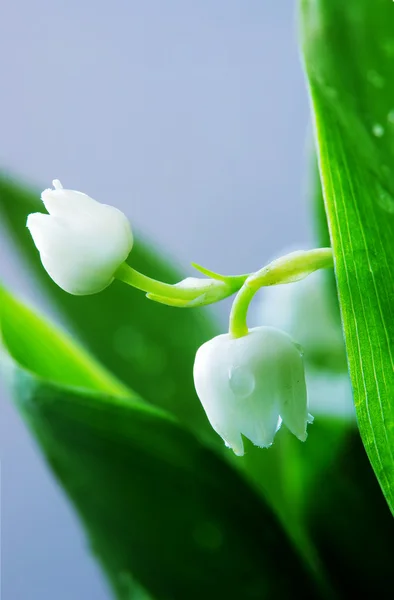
249	385
81	242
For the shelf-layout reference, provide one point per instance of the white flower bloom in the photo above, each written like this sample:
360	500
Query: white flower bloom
81	242
249	385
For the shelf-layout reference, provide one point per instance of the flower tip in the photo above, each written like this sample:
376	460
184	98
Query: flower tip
238	448
46	195
32	221
57	184
239	452
303	436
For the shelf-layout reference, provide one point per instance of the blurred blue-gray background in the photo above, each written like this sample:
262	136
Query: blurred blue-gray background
191	116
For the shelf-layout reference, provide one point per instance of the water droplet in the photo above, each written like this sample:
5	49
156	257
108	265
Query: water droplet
390	116
388	47
242	382
299	348
331	92
377	130
386	201
375	79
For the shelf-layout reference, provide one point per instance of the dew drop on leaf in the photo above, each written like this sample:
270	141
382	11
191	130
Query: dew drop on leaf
375	79
390	116
388	47
386	201
377	130
242	382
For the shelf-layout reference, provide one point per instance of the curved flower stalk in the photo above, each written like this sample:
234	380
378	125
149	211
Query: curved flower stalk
251	384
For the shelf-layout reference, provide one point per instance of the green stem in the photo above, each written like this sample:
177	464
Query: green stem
286	269
132	277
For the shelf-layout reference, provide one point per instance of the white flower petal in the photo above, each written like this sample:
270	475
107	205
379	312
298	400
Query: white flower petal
242	384
65	203
47	233
293	406
81	242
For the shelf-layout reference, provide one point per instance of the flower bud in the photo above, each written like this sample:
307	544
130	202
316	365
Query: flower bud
249	385
81	242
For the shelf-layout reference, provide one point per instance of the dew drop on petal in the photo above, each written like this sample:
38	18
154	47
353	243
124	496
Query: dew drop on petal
242	382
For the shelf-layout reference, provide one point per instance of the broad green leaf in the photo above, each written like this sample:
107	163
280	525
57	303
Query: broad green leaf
156	505
347	512
149	346
349	57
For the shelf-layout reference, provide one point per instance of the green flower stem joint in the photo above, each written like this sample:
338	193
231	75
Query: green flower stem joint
287	269
248	382
189	293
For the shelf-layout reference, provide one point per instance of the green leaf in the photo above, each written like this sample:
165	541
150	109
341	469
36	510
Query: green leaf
351	524
350	512
157	506
349	57
148	346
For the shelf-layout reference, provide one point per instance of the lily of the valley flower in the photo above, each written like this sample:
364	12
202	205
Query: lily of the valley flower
249	385
81	242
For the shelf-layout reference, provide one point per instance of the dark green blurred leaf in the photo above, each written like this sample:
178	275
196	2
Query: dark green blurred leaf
352	526
349	56
151	347
155	503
